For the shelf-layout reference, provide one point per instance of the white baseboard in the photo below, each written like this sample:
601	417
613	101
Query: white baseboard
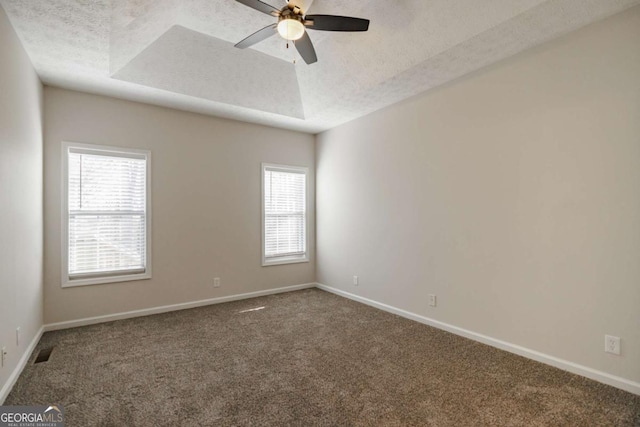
603	377
11	381
168	308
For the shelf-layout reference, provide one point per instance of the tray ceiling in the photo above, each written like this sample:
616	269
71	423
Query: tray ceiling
180	54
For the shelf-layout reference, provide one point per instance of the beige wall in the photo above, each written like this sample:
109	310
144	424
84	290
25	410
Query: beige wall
205	197
513	195
20	199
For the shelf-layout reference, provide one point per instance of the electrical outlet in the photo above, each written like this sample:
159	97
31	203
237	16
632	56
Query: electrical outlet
612	344
356	280
432	300
3	356
18	337
216	282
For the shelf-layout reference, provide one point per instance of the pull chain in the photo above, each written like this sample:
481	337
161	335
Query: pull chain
294	54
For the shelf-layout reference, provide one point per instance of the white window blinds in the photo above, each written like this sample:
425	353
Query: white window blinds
285	216
107	209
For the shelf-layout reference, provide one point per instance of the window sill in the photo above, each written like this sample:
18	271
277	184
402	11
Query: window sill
284	260
66	283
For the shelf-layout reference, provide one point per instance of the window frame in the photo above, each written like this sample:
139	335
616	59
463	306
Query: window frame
104	278
266	262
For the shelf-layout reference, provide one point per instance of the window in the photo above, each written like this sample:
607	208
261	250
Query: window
284	215
106	217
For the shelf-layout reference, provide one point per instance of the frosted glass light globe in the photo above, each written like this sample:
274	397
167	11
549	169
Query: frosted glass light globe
291	29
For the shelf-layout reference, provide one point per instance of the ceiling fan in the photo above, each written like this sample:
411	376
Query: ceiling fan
293	23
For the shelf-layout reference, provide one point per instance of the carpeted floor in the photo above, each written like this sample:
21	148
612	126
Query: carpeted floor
307	358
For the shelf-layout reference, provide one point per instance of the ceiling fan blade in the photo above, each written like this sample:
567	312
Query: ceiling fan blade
336	23
262	7
258	36
305	49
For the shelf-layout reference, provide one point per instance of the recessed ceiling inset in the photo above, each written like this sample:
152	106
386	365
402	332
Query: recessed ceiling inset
195	64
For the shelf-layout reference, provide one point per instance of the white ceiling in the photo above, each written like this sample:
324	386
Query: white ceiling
180	54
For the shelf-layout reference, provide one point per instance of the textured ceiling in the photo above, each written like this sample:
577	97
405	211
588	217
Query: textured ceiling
180	54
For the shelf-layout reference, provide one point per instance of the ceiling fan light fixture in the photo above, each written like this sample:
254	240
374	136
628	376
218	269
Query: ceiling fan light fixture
290	29
292	25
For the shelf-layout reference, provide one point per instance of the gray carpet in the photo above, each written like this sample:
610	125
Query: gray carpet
308	358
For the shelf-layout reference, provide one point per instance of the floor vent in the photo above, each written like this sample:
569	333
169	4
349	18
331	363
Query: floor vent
43	355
